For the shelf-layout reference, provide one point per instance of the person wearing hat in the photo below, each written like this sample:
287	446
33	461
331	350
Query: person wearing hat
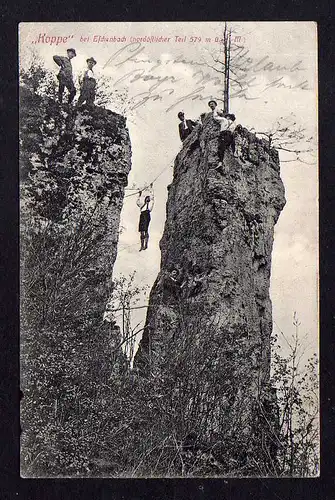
87	84
213	105
185	126
65	76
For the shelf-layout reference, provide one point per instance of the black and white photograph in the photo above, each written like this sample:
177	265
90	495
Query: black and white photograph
169	318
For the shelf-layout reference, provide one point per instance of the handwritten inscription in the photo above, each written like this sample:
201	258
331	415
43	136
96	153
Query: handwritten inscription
244	85
245	63
140	74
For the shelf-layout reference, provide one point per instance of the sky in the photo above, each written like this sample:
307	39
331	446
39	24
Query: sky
165	68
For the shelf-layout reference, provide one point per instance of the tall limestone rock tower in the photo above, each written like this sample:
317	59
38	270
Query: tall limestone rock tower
209	307
74	169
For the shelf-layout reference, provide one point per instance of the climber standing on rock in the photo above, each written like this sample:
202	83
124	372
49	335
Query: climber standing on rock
213	105
87	84
185	126
65	76
145	207
226	137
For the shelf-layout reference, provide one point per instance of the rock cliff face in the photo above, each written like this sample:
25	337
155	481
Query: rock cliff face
71	162
74	167
216	257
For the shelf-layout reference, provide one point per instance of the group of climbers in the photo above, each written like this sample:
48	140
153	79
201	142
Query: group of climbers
87	82
226	140
176	282
227	127
87	79
183	284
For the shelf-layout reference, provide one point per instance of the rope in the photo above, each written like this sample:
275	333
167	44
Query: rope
131	308
138	191
154	180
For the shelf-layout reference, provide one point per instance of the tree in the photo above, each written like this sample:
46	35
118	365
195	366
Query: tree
123	301
72	365
298	402
37	78
286	134
226	66
224	63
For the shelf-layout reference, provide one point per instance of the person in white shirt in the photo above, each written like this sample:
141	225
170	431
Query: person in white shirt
226	138
145	207
88	83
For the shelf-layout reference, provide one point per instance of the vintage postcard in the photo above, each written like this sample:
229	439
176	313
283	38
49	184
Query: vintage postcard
169	249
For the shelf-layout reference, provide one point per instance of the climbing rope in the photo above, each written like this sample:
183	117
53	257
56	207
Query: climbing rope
137	190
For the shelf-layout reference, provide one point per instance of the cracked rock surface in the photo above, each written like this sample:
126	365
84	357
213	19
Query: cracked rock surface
216	248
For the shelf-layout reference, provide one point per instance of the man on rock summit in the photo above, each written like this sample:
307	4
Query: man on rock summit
185	126
88	83
226	138
227	127
65	75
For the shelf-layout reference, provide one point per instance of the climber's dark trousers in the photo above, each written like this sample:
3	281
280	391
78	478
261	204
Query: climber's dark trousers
87	95
144	240
70	87
225	140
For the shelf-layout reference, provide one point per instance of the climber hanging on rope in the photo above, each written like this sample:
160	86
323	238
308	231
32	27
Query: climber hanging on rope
145	207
